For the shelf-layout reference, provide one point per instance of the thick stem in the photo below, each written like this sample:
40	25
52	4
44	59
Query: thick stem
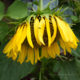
40	4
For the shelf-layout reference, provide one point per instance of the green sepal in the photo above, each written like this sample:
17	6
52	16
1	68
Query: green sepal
29	18
46	16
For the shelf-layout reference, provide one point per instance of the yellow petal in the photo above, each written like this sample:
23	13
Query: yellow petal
54	28
51	52
12	55
71	32
36	24
62	29
22	54
72	37
30	55
68	48
41	30
72	45
56	48
29	35
48	31
22	38
44	52
67	34
13	42
62	45
65	46
36	55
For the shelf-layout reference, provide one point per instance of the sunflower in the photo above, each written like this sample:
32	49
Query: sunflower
40	33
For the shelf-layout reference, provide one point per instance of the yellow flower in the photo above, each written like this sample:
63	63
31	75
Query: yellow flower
42	33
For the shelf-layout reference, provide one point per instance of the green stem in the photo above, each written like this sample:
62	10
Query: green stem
40	4
40	75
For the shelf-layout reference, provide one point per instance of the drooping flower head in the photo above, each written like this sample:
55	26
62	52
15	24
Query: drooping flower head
41	32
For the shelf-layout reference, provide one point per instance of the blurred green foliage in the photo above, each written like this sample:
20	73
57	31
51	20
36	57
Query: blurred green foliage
64	68
3	31
1	10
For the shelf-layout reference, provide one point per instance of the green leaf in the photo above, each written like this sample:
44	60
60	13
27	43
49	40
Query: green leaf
1	10
17	10
68	70
3	30
78	63
11	70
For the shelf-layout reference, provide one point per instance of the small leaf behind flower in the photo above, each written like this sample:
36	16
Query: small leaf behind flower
17	10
